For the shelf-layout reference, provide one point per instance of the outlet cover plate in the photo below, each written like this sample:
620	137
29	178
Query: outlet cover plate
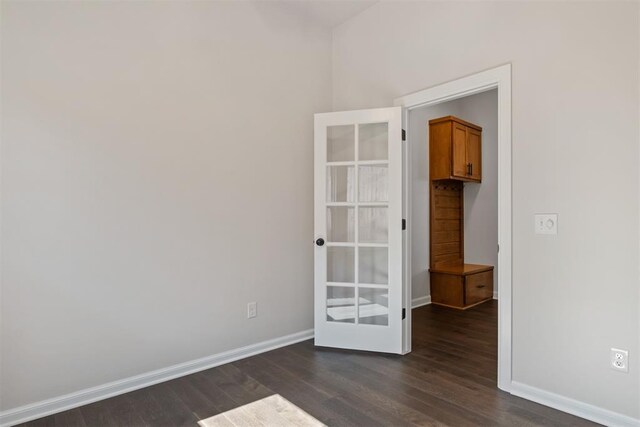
619	360
252	310
546	223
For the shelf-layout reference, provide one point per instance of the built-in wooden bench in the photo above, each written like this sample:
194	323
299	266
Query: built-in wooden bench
454	158
461	286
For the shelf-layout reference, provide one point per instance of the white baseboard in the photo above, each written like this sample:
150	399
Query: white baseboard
419	302
73	400
572	406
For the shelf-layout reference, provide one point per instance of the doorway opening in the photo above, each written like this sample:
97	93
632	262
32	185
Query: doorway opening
454	232
486	98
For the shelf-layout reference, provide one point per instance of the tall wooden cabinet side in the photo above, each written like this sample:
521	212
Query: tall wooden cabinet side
440	150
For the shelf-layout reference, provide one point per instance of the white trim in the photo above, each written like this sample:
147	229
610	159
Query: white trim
83	397
495	294
420	301
407	300
572	406
496	78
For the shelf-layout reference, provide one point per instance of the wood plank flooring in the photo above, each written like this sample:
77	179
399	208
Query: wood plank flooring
449	379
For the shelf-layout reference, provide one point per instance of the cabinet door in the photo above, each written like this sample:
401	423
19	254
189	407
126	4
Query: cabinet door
459	157
474	154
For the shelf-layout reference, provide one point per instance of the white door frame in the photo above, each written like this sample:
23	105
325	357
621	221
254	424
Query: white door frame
496	78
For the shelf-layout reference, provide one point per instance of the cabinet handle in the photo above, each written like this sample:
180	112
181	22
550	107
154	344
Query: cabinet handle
480	286
470	168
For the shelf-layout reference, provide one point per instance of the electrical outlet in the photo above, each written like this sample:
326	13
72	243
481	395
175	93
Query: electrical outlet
620	360
252	310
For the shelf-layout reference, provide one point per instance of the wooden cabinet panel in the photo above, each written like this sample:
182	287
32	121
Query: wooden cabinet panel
447	289
478	287
459	150
439	150
447	215
474	154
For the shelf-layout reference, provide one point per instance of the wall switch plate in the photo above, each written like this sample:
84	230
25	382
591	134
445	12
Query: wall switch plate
620	360
252	310
546	223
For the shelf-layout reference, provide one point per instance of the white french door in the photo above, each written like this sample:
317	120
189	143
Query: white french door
358	230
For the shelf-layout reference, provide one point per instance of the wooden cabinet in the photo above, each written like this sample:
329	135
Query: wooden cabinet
455	149
455	157
462	286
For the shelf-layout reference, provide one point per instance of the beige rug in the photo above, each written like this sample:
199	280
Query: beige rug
271	411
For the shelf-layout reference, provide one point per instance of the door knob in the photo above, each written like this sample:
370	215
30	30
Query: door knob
320	242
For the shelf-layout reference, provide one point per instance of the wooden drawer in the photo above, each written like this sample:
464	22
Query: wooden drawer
462	286
478	287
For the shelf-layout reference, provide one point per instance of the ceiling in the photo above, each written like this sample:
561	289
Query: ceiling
329	13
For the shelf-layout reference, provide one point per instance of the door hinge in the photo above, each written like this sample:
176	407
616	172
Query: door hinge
404	224
404	135
404	313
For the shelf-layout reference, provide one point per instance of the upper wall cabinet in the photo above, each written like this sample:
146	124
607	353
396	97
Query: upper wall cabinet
455	149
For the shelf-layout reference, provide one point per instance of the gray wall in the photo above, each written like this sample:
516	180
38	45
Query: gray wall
480	200
575	152
156	176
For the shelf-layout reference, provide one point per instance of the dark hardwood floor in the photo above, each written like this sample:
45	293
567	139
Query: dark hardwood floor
448	379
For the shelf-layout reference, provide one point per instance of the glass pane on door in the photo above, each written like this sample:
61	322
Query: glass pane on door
341	143
341	184
374	306
341	224
373	224
341	304
340	264
373	141
373	265
373	184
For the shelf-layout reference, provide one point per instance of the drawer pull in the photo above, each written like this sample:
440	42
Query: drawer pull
480	286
